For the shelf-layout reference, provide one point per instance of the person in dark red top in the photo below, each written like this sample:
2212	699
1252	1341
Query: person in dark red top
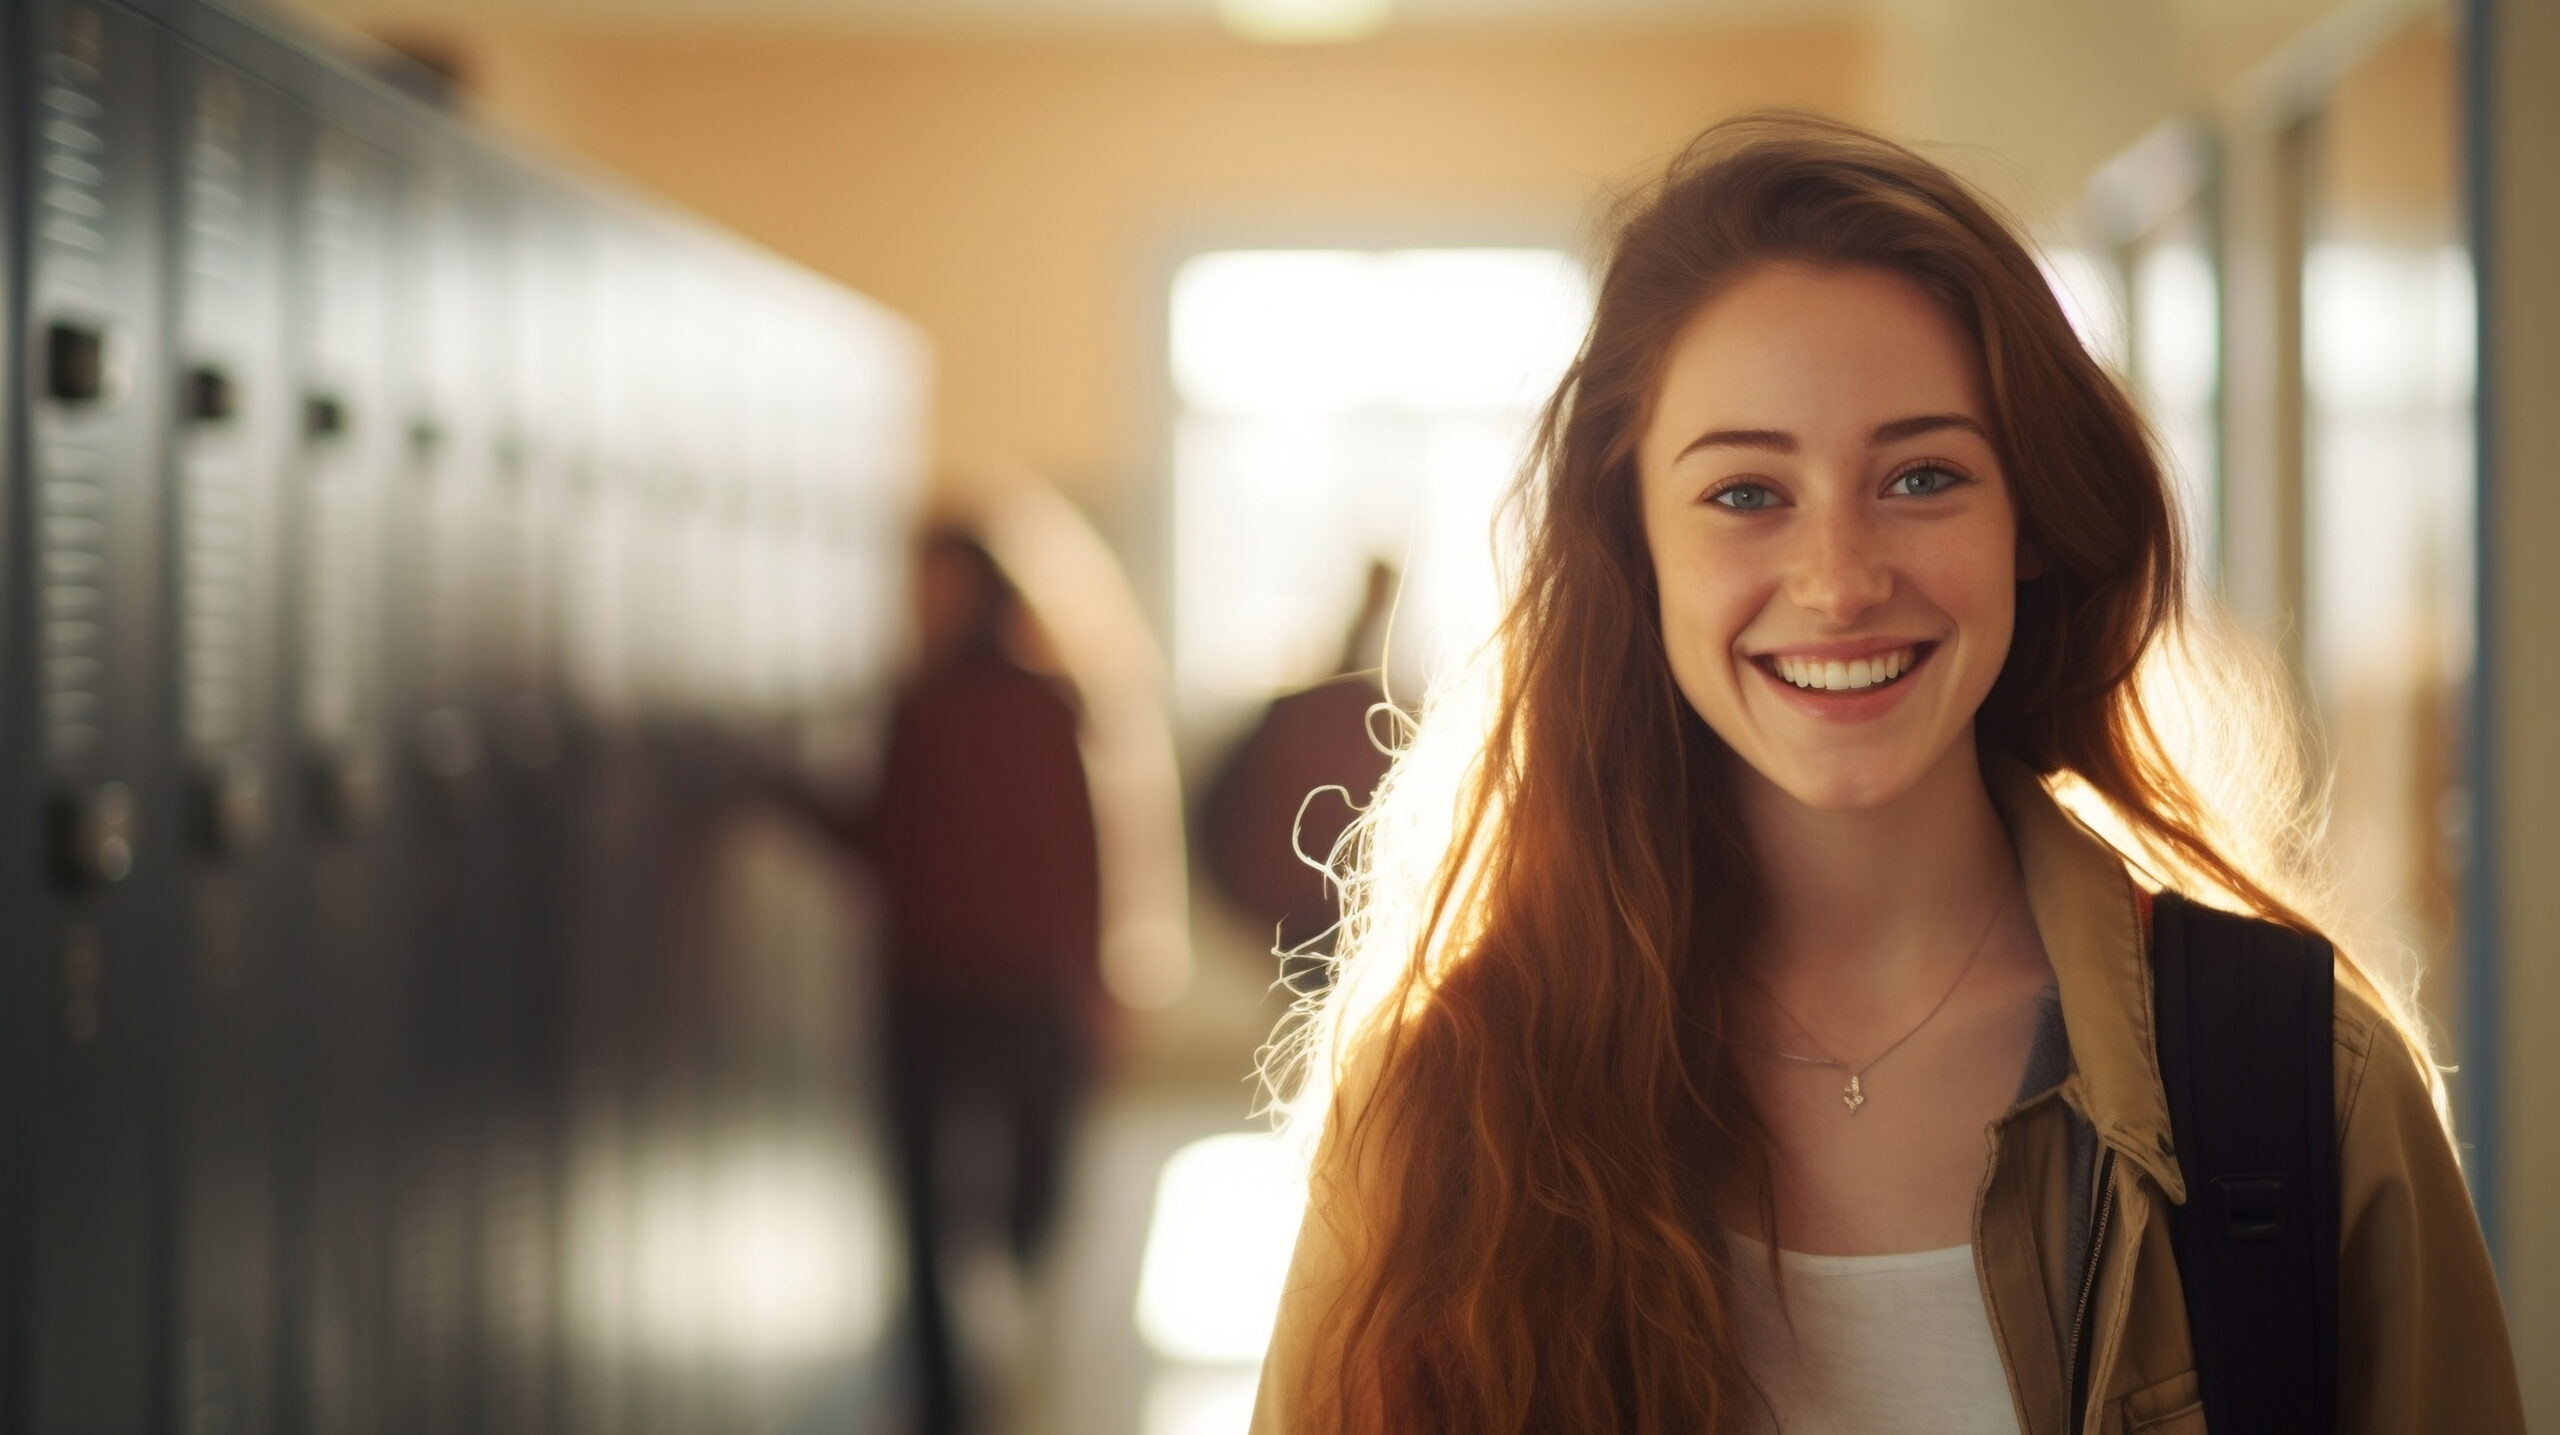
982	832
982	838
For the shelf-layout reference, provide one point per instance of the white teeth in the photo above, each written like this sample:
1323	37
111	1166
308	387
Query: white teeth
1841	677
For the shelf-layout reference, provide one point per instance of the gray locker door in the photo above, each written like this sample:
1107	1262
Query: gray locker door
235	413
20	834
352	920
98	935
440	769
522	979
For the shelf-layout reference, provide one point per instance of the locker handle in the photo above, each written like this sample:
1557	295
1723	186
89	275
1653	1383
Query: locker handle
93	837
323	416
211	394
343	795
78	367
448	743
226	806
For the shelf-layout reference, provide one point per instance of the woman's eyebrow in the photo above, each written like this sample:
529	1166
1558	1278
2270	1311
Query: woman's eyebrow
1901	429
1775	440
1780	441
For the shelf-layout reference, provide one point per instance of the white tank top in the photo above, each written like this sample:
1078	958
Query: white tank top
1880	1345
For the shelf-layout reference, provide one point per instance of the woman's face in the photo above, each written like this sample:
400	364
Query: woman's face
1833	537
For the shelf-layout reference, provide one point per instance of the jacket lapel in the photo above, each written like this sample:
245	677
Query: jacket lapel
2088	913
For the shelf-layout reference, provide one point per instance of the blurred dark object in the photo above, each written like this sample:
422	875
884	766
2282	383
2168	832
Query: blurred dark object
982	838
1290	788
432	70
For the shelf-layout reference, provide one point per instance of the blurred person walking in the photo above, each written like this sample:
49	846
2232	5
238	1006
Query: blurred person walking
981	835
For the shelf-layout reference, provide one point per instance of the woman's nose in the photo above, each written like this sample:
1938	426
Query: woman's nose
1841	570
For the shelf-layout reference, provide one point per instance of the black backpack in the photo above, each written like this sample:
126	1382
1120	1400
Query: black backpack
2244	1009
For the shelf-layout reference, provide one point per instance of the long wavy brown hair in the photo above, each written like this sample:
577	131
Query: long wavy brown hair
1517	1071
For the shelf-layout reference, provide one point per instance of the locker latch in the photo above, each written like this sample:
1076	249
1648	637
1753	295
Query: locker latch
226	806
93	838
323	416
79	363
211	394
344	794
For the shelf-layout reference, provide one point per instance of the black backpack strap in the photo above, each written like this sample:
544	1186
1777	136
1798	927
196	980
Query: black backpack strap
2244	1045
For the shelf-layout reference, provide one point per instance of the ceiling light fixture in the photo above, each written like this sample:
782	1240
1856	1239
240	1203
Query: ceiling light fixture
1303	22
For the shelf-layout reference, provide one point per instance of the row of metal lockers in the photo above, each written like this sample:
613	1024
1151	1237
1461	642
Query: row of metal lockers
410	553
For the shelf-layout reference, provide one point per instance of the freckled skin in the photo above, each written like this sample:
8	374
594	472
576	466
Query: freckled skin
1826	356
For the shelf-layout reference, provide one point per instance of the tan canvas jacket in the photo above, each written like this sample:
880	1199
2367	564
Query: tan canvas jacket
2422	1337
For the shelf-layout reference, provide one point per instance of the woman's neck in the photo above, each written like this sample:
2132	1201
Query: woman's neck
1885	900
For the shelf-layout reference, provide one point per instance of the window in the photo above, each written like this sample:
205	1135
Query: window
1336	407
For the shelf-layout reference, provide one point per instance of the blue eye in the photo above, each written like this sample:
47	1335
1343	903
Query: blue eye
1748	497
1927	479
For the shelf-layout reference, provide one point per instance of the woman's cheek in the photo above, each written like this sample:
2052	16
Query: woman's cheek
1697	653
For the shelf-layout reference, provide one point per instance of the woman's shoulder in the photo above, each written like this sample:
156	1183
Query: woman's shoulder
2364	1025
2423	1339
2388	1086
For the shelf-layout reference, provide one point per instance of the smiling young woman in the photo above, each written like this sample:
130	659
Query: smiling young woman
1745	1039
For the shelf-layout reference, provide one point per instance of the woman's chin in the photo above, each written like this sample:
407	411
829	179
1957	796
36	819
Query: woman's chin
1847	783
1843	794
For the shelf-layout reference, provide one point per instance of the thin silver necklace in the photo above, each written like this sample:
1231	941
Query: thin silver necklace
1854	1095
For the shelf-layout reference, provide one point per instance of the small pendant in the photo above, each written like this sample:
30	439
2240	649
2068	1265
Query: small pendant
1852	1097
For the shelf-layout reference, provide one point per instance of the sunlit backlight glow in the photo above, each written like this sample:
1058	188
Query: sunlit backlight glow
1295	331
2388	350
1339	405
767	1254
2090	300
2177	321
2389	538
1217	1254
793	1271
1199	1402
1304	22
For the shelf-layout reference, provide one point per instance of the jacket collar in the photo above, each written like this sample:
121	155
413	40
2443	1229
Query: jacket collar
2089	914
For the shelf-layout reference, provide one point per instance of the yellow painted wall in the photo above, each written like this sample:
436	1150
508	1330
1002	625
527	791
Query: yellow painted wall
2391	150
1022	200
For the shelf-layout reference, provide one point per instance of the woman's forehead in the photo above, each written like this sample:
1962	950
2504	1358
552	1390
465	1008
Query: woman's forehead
1824	354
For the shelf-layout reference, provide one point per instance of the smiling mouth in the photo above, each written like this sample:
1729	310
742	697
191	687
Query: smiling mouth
1833	675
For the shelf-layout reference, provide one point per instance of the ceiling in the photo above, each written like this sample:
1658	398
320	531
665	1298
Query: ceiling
1066	16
